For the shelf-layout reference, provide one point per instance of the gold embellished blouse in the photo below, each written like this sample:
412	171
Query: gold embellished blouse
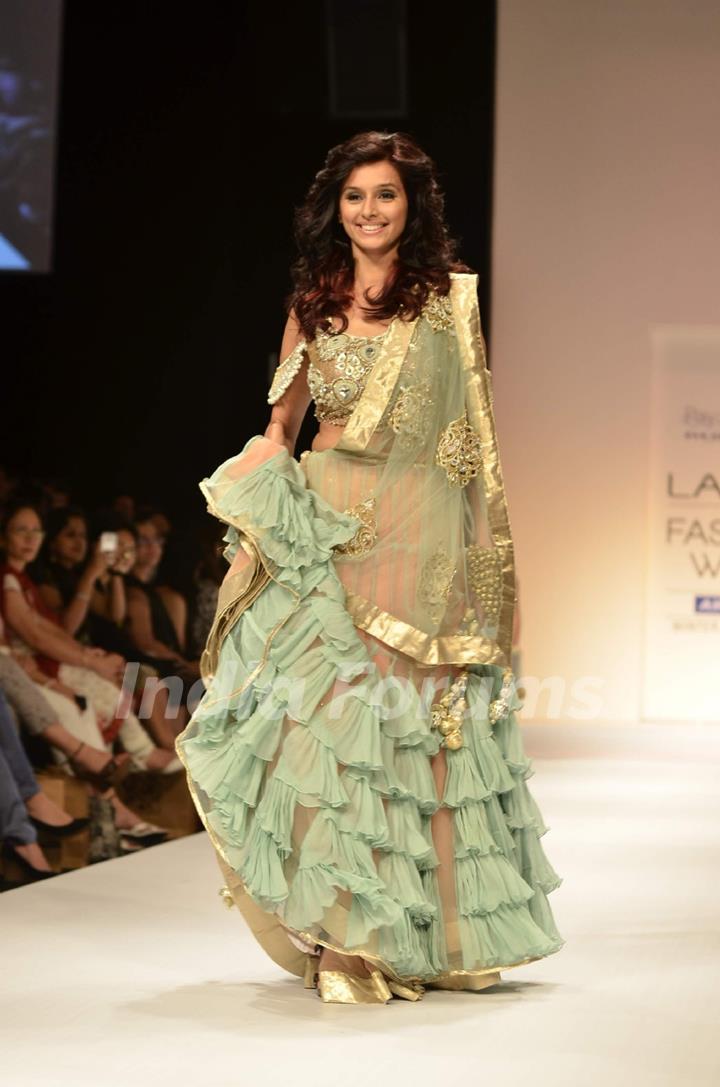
339	364
338	369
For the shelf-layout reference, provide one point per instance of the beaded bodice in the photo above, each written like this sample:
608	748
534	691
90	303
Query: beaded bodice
339	364
339	367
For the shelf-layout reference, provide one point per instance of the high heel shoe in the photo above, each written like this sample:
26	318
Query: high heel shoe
112	773
64	830
342	987
144	834
338	987
36	874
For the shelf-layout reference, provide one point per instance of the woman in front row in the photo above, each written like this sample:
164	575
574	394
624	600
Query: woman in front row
69	670
357	759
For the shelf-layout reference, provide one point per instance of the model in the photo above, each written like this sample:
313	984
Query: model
356	759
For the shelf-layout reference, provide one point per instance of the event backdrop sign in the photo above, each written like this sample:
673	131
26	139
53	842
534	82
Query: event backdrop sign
682	633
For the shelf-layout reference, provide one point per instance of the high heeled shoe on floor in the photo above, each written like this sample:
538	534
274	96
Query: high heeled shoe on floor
35	874
62	830
341	987
113	772
144	833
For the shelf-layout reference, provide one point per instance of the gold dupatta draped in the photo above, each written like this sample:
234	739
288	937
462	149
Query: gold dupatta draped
431	569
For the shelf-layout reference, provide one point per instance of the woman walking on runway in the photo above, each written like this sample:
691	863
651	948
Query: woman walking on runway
356	758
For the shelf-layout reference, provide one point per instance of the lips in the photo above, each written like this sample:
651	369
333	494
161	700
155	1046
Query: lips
372	228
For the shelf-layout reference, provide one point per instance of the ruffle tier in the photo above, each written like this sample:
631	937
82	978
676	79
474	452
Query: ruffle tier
313	795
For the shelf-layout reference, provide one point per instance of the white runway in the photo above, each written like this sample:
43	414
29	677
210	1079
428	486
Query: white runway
133	973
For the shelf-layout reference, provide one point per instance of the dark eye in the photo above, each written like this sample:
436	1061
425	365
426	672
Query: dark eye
388	194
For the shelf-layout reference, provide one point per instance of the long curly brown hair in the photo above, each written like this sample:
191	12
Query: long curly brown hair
323	274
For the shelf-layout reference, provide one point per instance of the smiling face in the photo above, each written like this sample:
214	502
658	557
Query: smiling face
23	536
373	208
69	547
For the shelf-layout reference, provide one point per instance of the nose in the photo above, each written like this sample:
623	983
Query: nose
368	211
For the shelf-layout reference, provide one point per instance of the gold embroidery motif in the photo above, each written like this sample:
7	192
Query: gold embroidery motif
286	373
459	451
447	714
484	567
435	582
338	377
438	312
365	537
409	417
500	707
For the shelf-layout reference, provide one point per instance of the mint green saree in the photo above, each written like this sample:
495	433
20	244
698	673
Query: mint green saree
356	759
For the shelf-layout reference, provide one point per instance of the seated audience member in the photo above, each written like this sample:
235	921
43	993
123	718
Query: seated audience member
88	594
157	615
91	600
64	578
108	601
45	710
109	623
88	672
24	808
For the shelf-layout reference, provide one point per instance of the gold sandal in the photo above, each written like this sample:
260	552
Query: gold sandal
339	987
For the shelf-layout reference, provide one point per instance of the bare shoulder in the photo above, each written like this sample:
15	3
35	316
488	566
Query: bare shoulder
292	336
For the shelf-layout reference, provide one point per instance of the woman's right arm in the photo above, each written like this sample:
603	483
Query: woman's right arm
141	631
289	411
45	638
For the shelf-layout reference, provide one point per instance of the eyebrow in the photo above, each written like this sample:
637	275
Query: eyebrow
384	185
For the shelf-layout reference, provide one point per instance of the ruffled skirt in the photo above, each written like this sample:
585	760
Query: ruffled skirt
338	815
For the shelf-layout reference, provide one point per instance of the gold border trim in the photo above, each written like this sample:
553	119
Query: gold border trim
428	649
479	395
379	387
237	592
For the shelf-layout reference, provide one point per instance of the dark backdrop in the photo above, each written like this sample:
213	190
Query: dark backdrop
186	137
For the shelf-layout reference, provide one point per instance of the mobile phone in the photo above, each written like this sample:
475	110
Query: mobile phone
108	543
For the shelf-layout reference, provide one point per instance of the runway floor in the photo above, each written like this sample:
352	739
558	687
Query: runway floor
133	972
